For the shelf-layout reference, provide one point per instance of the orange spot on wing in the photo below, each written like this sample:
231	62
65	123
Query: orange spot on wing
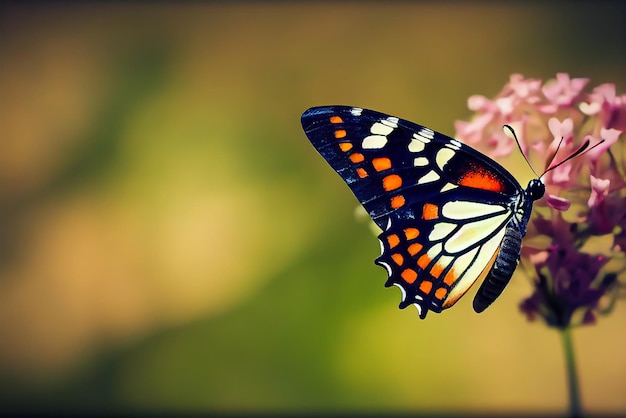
357	157
440	293
393	240
392	182
480	178
397	202
336	119
381	164
340	133
411	233
426	286
361	172
436	270
345	146
423	261
454	297
408	276
450	277
430	211
414	248
398	259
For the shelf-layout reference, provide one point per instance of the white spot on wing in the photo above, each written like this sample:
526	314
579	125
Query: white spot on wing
443	156
441	230
472	233
419	137
463	209
419	309
434	251
416	145
356	111
402	290
426	133
381	128
387	267
445	260
456	143
473	272
382	247
448	186
420	162
391	121
429	177
374	142
462	263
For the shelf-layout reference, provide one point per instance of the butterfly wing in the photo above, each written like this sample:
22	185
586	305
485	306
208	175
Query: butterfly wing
443	207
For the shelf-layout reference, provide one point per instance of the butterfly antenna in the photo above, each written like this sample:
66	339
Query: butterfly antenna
519	146
550	160
581	150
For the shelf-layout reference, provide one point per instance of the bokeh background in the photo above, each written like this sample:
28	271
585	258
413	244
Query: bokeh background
170	241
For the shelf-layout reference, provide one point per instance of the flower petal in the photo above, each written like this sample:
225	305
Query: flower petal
610	136
599	190
558	203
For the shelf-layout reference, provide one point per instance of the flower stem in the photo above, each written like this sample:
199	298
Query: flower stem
572	377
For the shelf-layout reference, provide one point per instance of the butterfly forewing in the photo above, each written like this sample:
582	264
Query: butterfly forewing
443	207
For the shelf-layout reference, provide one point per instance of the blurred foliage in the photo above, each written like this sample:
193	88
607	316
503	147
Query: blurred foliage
171	241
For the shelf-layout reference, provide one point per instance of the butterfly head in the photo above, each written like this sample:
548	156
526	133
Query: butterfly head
535	189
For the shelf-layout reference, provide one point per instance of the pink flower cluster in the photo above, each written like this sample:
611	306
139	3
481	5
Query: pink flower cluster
577	233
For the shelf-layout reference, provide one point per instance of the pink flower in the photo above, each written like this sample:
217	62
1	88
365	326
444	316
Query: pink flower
480	103
563	92
552	121
612	108
561	129
609	136
599	217
568	281
527	89
599	191
558	203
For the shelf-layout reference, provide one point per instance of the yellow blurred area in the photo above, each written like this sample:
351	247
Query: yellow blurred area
170	241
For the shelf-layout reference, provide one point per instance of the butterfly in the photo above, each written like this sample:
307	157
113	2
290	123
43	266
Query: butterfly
449	215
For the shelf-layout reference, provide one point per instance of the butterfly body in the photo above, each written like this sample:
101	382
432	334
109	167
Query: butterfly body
449	214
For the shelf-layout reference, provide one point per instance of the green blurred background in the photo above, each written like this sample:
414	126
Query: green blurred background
170	241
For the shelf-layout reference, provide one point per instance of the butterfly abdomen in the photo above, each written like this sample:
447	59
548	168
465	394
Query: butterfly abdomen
502	269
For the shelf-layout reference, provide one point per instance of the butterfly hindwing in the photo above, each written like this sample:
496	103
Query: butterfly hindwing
434	259
443	207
